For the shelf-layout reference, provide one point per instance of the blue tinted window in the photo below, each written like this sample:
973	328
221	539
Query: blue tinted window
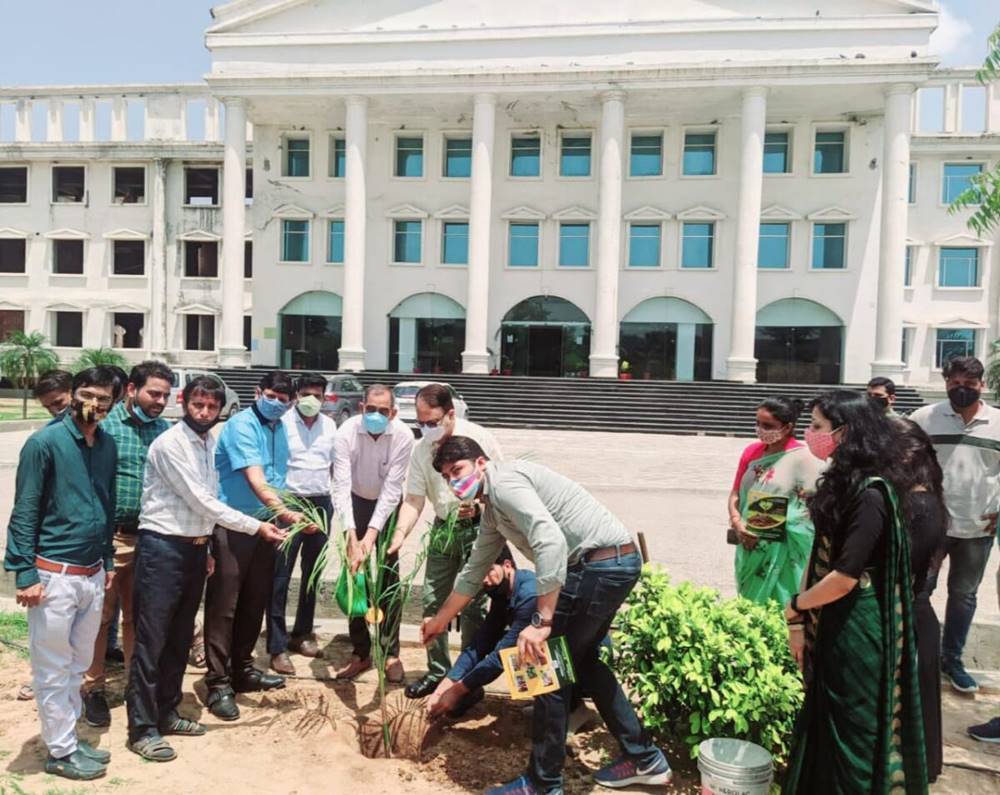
776	159
829	245
644	246
646	159
338	158
455	243
908	269
830	155
296	157
772	248
458	157
958	177
409	157
954	342
959	267
574	160
335	245
523	246
699	154
911	191
697	245
574	245
294	241
525	156
406	246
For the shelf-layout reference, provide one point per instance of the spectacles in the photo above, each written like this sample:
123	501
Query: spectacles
369	409
100	400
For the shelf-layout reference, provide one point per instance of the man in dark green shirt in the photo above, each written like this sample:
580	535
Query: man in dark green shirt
133	423
59	547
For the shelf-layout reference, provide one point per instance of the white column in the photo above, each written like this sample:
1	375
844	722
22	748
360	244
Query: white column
952	107
476	357
892	241
155	333
741	364
54	121
352	346
22	121
993	107
119	119
88	120
234	163
604	333
211	119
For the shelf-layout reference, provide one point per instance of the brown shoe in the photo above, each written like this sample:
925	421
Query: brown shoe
306	646
394	670
281	664
354	667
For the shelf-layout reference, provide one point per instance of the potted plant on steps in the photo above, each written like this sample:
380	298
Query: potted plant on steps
625	371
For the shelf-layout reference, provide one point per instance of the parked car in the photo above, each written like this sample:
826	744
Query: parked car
182	376
406	395
343	397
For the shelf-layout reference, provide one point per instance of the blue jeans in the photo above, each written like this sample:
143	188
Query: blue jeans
967	559
587	605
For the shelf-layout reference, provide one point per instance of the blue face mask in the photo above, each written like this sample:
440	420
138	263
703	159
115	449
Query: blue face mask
141	415
376	423
272	409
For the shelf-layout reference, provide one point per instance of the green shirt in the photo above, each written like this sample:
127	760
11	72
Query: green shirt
64	501
133	439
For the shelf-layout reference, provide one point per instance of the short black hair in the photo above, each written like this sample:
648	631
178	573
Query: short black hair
95	376
436	396
120	376
208	385
784	409
457	448
143	371
310	381
504	556
277	381
378	389
881	380
968	366
53	381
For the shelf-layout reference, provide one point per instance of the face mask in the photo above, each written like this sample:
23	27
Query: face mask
880	401
770	435
499	591
962	397
89	410
272	409
431	434
141	415
309	406
466	488
375	423
199	427
820	443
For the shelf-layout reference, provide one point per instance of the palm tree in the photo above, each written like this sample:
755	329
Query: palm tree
23	357
96	357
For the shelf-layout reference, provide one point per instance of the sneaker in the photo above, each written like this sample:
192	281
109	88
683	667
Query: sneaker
986	732
95	709
959	678
624	772
519	786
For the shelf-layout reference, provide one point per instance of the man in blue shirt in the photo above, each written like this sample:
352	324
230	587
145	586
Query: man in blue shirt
251	456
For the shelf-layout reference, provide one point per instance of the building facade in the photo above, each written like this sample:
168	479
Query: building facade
541	189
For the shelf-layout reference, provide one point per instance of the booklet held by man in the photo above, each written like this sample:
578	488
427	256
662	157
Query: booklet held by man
527	680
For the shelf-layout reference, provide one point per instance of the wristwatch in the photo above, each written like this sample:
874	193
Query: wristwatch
537	621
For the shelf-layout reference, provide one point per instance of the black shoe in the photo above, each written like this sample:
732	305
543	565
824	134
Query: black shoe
222	704
254	680
95	709
422	688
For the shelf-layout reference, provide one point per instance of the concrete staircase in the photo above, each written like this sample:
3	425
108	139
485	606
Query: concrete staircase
589	404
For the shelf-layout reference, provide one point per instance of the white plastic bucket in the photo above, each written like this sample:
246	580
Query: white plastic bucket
734	767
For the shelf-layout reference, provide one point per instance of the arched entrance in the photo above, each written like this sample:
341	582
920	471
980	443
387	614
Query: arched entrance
798	342
545	336
426	335
667	338
310	332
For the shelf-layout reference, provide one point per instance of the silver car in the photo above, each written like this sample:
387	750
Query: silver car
343	397
182	377
405	393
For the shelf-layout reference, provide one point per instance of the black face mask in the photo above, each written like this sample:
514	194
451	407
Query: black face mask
199	427
962	397
499	591
880	401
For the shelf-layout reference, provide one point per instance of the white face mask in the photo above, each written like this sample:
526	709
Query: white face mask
431	434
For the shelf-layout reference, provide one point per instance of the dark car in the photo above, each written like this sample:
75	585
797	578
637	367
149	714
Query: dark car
343	397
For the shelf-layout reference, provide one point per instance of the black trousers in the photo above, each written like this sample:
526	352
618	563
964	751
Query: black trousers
235	602
284	565
169	578
358	627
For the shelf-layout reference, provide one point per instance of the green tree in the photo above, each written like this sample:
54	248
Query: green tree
95	357
23	357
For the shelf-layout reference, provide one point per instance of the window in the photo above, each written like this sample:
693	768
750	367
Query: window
908	269
699	154
128	257
954	342
338	157
907	346
829	246
646	157
294	240
644	246
247	332
68	184
201	259
772	247
526	156
201	187
248	187
69	329
574	159
522	246
406	241
458	157
12	254
697	245
335	241
776	153
14	185
409	157
957	178
247	259
911	190
11	320
129	183
295	163
126	329
67	257
455	243
830	155
959	267
199	332
574	245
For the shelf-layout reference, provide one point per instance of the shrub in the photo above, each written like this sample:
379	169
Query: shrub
698	666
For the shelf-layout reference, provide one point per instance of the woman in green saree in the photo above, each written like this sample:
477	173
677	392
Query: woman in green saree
767	506
861	727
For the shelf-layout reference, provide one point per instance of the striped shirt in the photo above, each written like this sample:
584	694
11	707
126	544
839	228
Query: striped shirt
133	439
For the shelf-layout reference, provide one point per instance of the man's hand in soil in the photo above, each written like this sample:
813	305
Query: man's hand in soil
446	697
531	644
31	596
431	628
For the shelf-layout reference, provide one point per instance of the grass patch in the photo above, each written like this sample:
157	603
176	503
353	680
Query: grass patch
14	632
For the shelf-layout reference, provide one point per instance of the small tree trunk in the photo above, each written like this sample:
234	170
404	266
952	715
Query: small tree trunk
24	399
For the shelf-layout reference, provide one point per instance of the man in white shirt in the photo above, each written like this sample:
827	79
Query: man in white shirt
370	459
180	509
310	463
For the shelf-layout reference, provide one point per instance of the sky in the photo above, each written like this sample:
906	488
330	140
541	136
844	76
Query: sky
109	41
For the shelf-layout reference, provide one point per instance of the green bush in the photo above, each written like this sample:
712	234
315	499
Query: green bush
698	666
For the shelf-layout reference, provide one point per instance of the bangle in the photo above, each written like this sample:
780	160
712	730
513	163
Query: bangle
796	626
794	604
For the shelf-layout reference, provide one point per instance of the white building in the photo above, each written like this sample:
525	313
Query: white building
544	188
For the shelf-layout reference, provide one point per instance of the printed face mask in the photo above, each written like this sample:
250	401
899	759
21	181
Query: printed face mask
309	406
89	410
375	423
272	409
821	443
466	488
961	397
769	435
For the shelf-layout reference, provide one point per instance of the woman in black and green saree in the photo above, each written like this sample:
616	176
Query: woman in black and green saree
860	729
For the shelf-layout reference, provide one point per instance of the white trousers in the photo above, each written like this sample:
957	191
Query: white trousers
61	635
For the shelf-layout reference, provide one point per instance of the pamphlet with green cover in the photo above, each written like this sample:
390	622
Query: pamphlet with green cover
527	680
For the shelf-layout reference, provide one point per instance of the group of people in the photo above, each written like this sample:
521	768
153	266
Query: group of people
847	532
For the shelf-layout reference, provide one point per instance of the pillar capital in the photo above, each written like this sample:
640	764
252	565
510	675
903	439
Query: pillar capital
899	88
754	91
356	101
484	98
234	102
613	95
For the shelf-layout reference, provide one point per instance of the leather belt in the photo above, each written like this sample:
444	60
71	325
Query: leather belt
68	568
604	553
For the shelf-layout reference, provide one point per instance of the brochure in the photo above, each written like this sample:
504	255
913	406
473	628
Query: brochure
527	680
766	516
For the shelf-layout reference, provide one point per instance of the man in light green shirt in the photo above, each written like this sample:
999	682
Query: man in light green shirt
454	529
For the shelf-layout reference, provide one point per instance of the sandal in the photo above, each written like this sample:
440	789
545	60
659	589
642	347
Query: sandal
175	724
153	748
